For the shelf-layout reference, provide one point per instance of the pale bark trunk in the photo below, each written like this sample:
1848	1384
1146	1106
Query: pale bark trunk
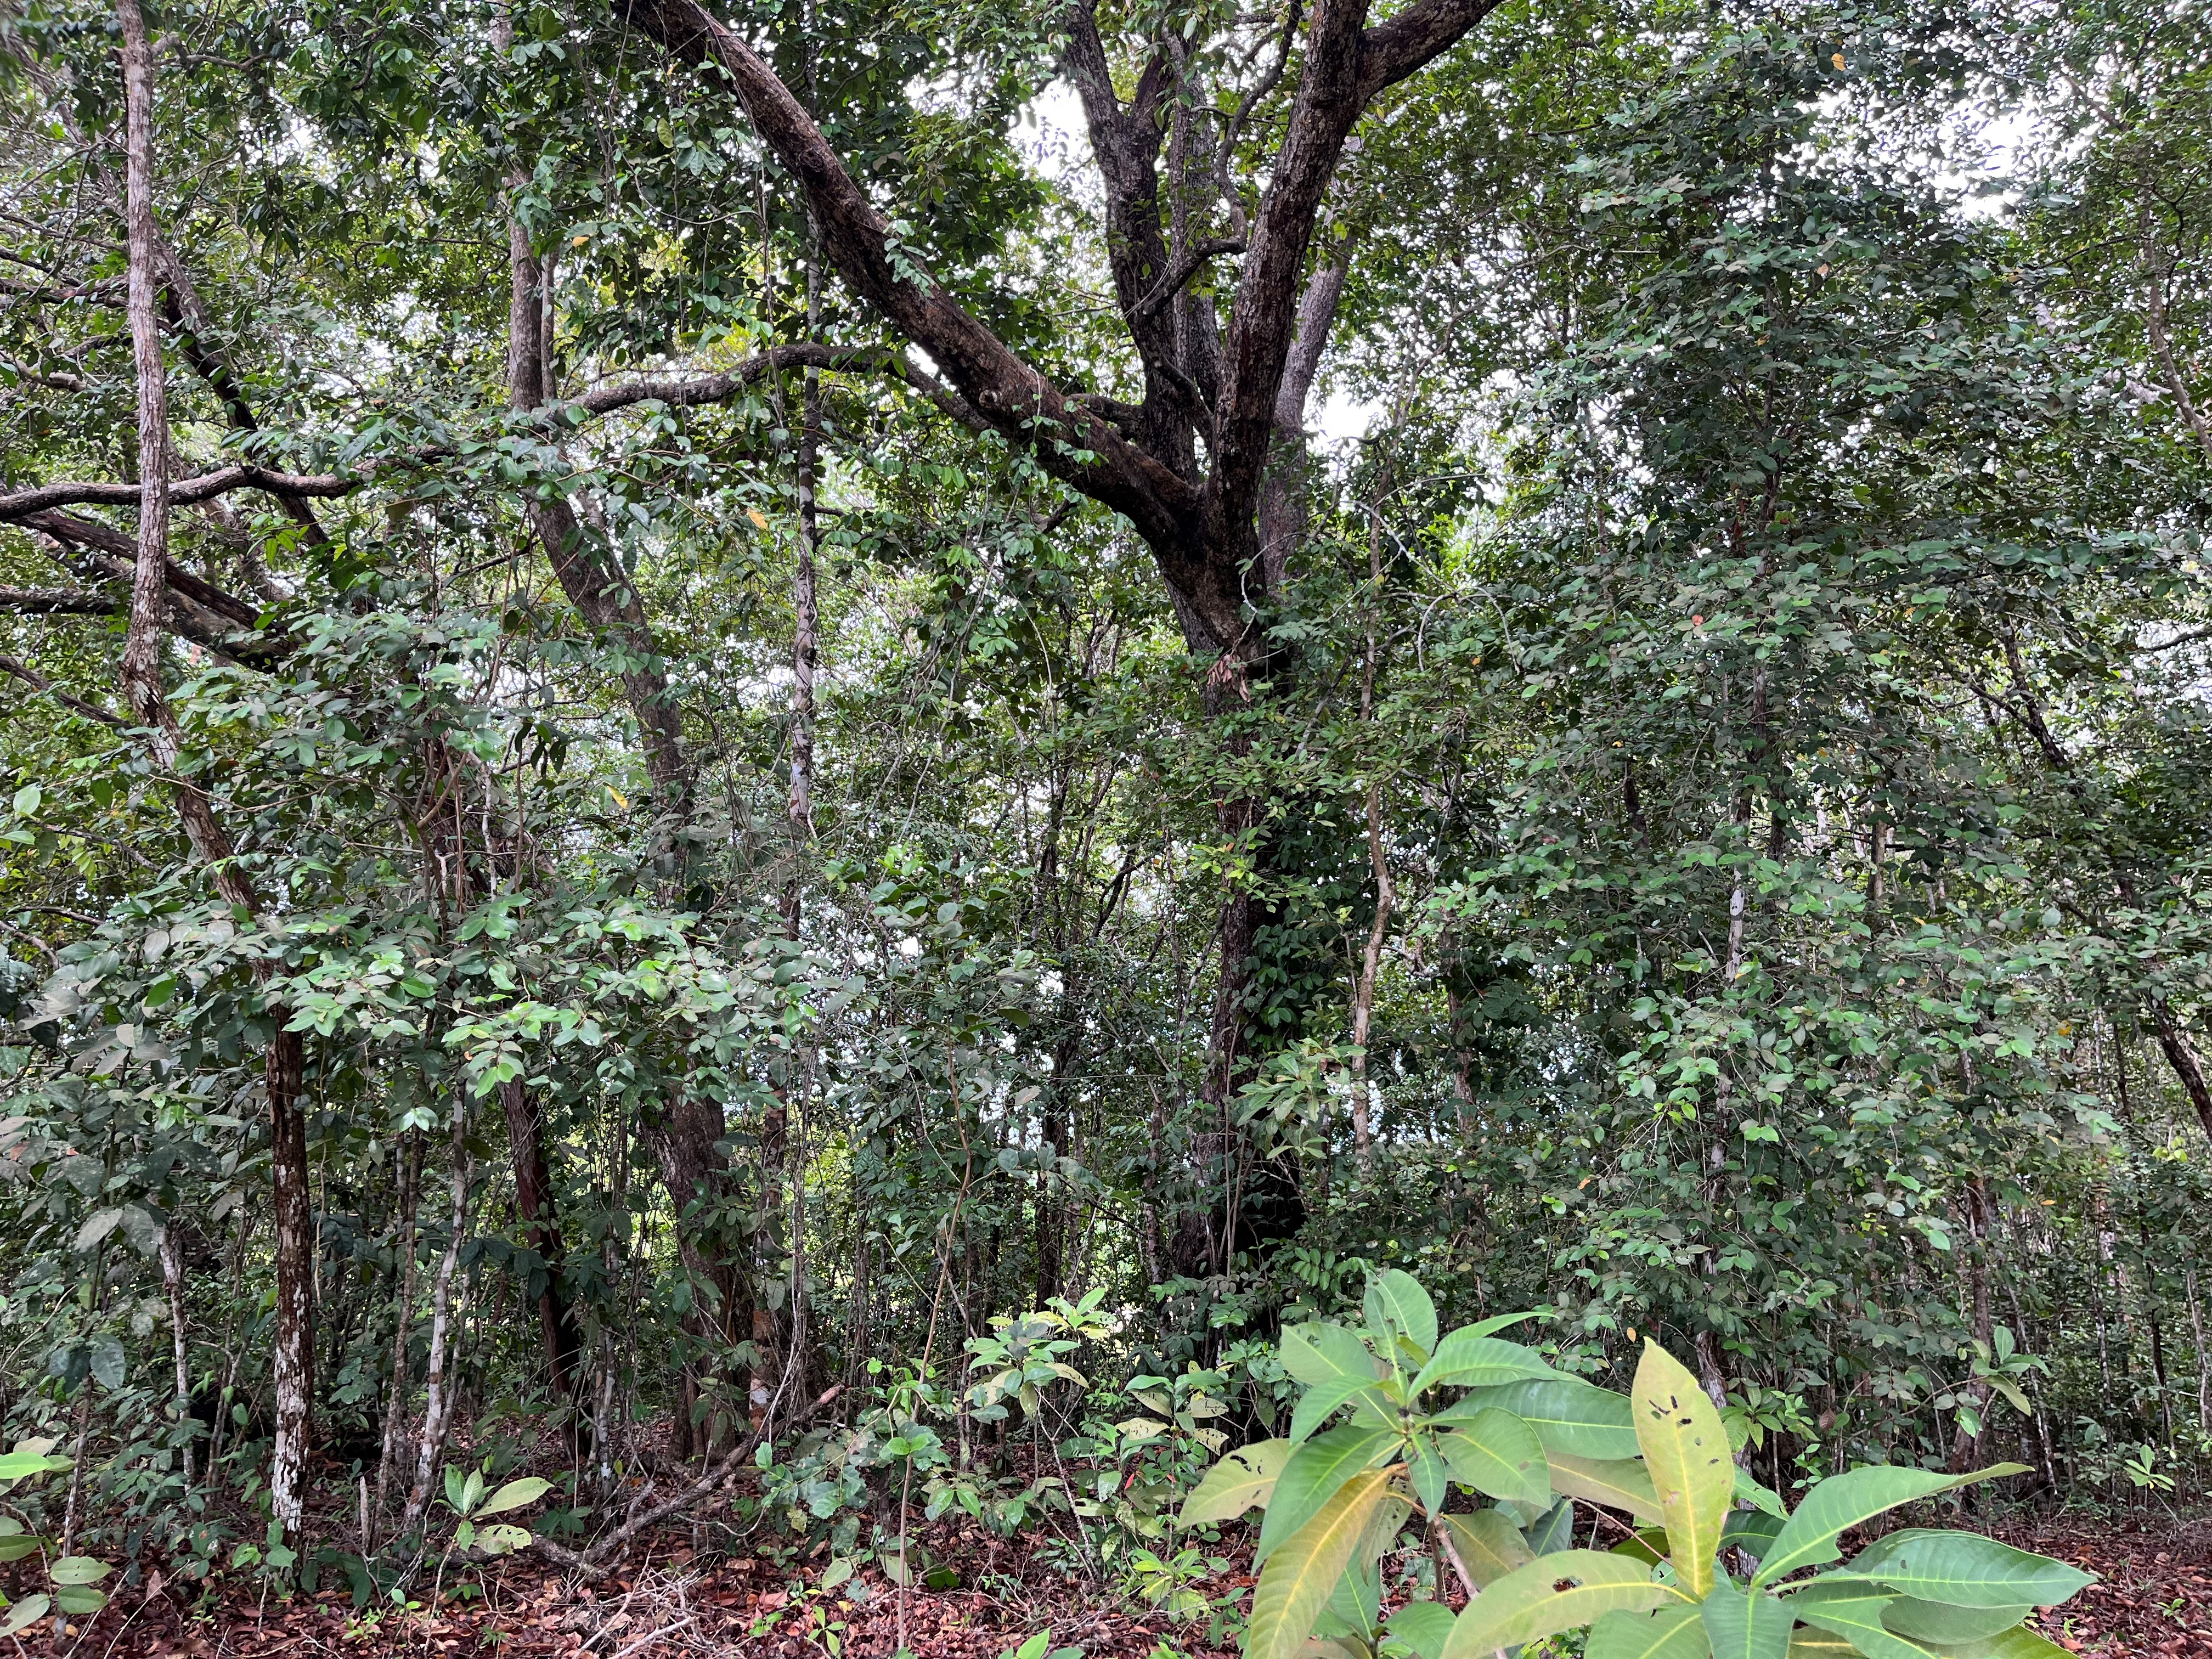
294	1356
438	1392
172	1279
403	1318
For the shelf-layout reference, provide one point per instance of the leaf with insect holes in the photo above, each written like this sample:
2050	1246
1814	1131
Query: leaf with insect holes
1687	1453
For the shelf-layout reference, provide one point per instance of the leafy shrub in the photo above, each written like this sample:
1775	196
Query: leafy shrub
1711	1562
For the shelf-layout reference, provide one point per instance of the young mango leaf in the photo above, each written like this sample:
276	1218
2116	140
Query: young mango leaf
1737	1625
1932	1621
1355	1606
1554	1530
2018	1642
1299	1578
1425	1465
1320	1352
1618	1483
1529	1602
1807	1642
1966	1569
1319	1402
1686	1451
1424	1626
1311	1476
1488	1546
1396	1302
1568	1414
1853	1612
1467	1361
1663	1633
1843	1501
1498	1454
514	1494
1240	1481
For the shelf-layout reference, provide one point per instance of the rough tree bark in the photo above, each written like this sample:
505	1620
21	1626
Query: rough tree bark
284	1061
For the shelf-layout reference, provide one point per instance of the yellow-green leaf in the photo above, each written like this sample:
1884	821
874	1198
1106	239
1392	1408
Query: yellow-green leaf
1241	1481
1618	1483
1553	1593
1489	1546
1498	1454
1687	1454
1295	1584
1666	1633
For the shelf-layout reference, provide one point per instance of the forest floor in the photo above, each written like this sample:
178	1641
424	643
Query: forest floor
2154	1598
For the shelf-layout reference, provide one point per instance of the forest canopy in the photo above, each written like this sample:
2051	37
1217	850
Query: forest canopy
849	738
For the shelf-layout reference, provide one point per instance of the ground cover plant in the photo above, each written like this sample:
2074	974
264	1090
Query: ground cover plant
809	782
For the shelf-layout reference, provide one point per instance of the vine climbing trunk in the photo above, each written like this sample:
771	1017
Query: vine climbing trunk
292	1355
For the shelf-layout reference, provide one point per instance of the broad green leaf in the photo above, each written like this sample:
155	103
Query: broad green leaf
1968	1570
1395	1300
1737	1625
1752	1531
2018	1642
1424	1626
1933	1621
80	1599
1807	1642
1425	1466
1466	1361
503	1538
1854	1613
1844	1501
1554	1530
1495	1322
1320	1352
1489	1546
1355	1606
1298	1578
1499	1455
78	1569
1665	1633
514	1494
1240	1481
1618	1483
1685	1452
1528	1603
1568	1414
1760	1497
1311	1476
20	1465
1316	1404
25	1613
17	1547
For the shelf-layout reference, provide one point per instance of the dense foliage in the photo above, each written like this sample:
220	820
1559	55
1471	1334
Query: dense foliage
862	786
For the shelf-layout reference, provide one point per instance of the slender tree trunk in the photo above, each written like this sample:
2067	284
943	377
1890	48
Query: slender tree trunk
284	1062
1370	959
541	1230
2204	1356
1965	1448
402	1317
172	1279
439	1388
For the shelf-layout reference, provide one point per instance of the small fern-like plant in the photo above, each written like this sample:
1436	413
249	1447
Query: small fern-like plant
1394	1419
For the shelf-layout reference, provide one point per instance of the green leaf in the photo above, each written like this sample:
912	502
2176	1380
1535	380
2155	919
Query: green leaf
1854	1613
1752	1531
1425	1466
1489	1546
503	1538
454	1486
1463	1360
21	1465
1356	1604
1499	1455
1318	1402
1395	1301
1298	1578
1933	1621
1240	1481
1311	1476
1424	1626
1739	1626
27	800
80	1598
1568	1414
2018	1642
514	1494
1807	1642
1844	1501
1554	1530
1320	1353
1760	1497
1530	1603
17	1547
1685	1452
1664	1633
78	1569
1968	1570
1618	1483
25	1613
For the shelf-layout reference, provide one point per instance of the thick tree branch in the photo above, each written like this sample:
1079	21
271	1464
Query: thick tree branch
1186	266
39	681
1413	40
19	504
58	602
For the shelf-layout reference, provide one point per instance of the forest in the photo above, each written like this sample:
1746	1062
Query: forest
810	808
